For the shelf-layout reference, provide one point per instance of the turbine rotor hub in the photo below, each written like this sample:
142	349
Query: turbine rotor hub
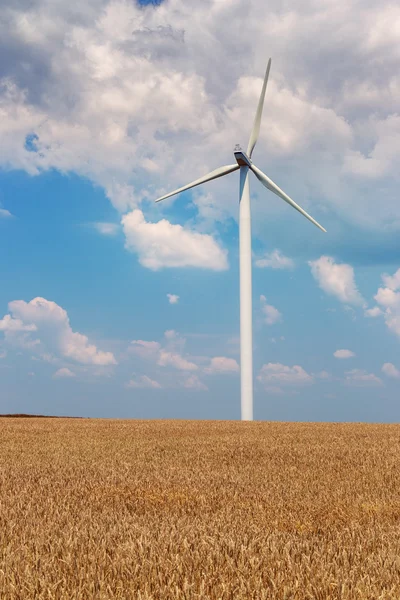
241	157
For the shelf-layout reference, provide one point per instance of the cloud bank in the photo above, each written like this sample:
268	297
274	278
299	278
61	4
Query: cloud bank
118	92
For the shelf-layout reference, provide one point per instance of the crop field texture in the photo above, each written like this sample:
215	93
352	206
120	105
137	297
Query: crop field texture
113	509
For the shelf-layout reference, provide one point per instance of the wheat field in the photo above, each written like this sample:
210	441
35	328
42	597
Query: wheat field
101	509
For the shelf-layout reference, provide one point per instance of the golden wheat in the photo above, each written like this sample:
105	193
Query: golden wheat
110	509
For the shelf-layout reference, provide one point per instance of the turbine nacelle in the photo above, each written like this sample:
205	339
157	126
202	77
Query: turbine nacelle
241	157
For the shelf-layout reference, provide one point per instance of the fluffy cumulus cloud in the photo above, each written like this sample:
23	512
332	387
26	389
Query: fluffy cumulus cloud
392	281
163	244
336	280
193	383
382	159
222	365
343	354
168	354
5	214
63	373
388	297
373	312
174	338
390	370
45	325
275	260
173	359
276	373
270	313
145	349
173	298
144	382
118	92
10	325
360	377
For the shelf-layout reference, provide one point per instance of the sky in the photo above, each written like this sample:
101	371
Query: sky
113	306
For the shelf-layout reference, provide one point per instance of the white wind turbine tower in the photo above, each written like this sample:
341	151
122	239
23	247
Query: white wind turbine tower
244	163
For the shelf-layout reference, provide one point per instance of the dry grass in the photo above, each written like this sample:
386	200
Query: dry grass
99	509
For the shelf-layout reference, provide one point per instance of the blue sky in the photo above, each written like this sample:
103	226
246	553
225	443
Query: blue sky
113	306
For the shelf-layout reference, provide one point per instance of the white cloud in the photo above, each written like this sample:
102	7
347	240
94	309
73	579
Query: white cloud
360	377
173	298
63	373
3	353
106	228
383	157
194	383
17	333
389	299
373	312
209	209
222	365
172	359
275	260
277	373
8	324
392	281
164	356
324	375
163	244
122	195
271	314
390	370
132	90
343	354
5	214
144	349
52	324
143	382
170	355
174	341
171	334
336	280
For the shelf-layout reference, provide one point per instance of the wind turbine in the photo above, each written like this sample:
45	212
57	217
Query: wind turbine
244	163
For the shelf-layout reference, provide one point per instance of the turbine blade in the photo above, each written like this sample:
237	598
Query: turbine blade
270	185
213	175
257	121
